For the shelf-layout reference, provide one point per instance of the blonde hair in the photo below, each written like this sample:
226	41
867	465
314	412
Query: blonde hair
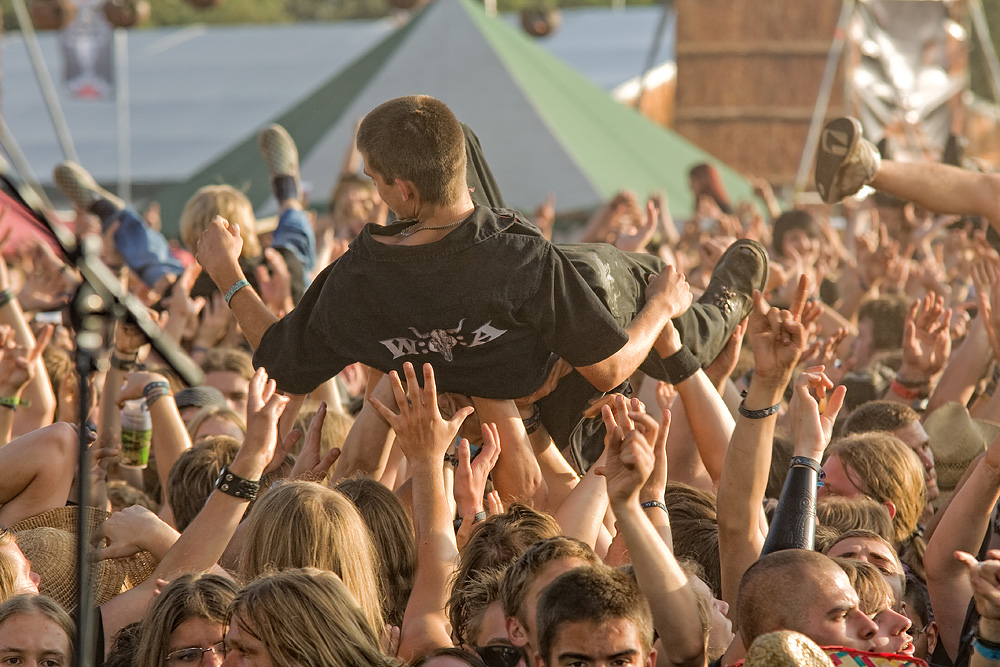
9	569
874	593
209	411
860	513
886	470
303	524
28	604
231	204
307	618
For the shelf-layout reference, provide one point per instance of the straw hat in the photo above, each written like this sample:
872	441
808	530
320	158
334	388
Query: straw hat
48	541
786	649
956	440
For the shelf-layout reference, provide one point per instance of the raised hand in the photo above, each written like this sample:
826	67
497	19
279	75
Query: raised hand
470	480
630	456
182	310
219	250
422	433
777	337
811	430
264	408
17	364
985	579
312	464
926	339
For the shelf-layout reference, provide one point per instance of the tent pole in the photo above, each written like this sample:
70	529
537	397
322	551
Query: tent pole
122	104
653	50
45	81
823	99
20	162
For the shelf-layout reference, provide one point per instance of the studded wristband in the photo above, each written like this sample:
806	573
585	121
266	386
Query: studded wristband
237	486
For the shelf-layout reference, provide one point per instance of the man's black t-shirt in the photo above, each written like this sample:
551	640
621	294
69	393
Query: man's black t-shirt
487	305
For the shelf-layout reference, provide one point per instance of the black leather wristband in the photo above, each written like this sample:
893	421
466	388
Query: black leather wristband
237	486
680	365
794	523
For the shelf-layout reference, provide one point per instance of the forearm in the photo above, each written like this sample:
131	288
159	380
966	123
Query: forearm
252	314
712	425
742	485
516	475
424	622
581	515
368	444
642	332
965	369
170	438
671	597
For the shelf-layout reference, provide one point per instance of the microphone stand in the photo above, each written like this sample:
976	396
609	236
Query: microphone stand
100	298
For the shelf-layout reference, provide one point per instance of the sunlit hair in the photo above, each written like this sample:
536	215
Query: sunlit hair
192	478
468	604
231	204
392	534
886	470
494	545
880	416
307	618
9	568
304	524
416	139
40	605
874	593
189	596
518	577
860	513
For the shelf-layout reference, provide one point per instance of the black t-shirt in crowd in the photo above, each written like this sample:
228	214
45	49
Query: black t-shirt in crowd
488	305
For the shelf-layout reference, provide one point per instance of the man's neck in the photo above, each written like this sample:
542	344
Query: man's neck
433	215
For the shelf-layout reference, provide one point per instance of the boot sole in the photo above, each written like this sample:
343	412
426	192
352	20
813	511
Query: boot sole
837	142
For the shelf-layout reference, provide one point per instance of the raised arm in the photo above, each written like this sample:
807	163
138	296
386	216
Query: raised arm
984	580
201	545
777	338
630	463
961	528
517	476
424	437
218	253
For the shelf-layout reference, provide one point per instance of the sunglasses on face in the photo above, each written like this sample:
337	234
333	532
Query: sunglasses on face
498	655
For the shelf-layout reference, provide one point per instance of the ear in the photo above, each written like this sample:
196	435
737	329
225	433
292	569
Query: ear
540	661
406	189
515	633
932	637
651	659
891	506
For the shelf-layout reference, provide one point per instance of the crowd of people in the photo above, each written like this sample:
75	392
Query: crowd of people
428	435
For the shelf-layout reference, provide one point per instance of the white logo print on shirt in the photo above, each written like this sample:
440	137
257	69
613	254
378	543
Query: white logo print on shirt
442	341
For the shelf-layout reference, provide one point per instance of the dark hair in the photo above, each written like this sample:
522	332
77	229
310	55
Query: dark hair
518	577
469	658
880	416
596	594
888	317
790	221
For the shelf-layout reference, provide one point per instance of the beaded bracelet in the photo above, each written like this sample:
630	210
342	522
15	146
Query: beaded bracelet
237	286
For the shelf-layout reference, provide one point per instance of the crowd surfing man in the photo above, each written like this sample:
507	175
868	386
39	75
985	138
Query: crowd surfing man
475	290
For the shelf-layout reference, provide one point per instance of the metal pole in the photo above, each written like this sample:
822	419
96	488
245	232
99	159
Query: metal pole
989	53
45	81
653	50
20	162
823	99
122	103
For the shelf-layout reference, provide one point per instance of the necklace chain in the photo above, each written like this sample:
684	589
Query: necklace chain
409	231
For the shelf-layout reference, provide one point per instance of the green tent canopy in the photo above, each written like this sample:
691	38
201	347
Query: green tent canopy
543	126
